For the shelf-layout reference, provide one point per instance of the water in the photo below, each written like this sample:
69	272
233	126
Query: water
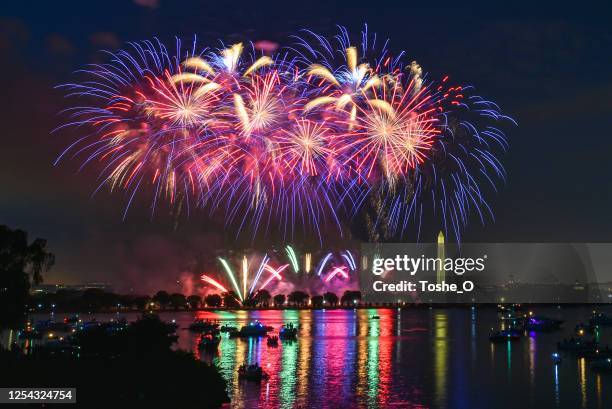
416	358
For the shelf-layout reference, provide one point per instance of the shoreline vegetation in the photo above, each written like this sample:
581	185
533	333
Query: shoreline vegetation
125	364
356	307
95	300
98	301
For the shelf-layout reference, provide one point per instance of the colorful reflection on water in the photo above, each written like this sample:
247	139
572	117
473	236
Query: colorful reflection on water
406	359
342	358
413	358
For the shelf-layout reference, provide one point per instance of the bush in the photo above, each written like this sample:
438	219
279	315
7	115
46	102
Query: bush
174	380
123	368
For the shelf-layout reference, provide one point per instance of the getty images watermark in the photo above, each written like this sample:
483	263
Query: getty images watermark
442	272
407	266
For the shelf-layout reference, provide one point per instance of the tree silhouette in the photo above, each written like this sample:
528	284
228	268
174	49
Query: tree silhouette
21	263
330	298
162	298
177	301
279	299
141	301
298	298
95	298
213	300
317	300
351	297
230	300
194	301
263	298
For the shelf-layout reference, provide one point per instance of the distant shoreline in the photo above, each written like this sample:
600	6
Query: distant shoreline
306	308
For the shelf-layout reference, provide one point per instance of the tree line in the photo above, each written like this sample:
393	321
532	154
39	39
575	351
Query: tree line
95	299
23	262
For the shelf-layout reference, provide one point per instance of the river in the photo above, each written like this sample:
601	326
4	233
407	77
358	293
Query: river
411	358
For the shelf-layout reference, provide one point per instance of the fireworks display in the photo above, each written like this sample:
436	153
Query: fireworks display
299	139
334	269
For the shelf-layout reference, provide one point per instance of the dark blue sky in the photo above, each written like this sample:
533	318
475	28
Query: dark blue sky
548	67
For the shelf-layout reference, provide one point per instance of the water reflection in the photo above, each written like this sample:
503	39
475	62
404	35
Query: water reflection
531	342
556	369
413	358
582	381
440	356
372	362
598	389
304	358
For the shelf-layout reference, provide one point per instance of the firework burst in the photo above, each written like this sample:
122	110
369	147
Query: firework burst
301	138
256	273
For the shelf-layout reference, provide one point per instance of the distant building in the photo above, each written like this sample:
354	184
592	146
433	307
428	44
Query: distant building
46	288
440	274
100	286
54	288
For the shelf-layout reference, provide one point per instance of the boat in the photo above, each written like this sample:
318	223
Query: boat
509	308
599	318
227	328
556	358
254	329
209	342
602	365
288	331
272	341
533	323
375	317
576	345
204	326
505	335
252	372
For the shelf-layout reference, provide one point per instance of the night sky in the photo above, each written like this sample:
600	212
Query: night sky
548	68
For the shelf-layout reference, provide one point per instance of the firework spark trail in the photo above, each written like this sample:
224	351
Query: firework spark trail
305	136
245	273
230	274
213	282
307	262
349	260
292	258
336	271
323	262
260	270
340	265
275	273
